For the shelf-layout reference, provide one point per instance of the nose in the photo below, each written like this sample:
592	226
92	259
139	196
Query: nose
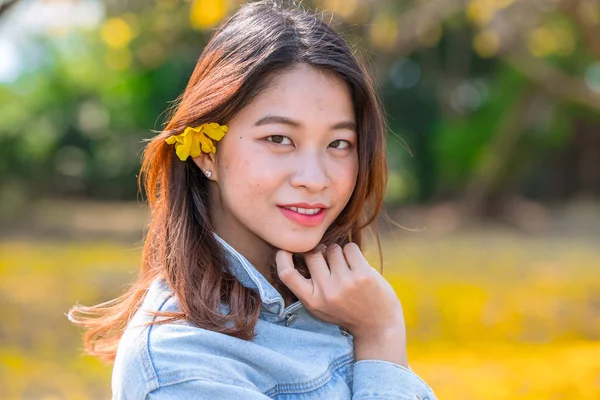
310	172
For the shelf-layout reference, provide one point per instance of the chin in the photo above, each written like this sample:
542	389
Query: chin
297	244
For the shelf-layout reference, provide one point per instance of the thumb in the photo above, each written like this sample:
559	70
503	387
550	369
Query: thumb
298	284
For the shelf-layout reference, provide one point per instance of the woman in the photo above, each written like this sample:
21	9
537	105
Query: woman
253	284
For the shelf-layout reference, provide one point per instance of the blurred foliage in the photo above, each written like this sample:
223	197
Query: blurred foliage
75	117
526	325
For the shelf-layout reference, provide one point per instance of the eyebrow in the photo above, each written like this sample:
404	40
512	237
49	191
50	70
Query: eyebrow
276	119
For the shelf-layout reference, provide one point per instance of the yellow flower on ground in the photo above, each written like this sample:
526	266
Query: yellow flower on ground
193	141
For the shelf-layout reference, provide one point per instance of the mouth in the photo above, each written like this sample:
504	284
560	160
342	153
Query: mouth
312	216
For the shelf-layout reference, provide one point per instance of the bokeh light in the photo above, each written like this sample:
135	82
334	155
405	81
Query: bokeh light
205	14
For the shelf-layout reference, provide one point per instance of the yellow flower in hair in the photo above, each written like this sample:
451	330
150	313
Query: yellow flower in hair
193	141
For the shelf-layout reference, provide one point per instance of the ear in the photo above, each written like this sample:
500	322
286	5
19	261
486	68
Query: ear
207	162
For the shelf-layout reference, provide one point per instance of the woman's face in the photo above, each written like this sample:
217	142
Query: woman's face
293	144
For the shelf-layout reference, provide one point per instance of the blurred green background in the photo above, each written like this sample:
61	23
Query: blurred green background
494	189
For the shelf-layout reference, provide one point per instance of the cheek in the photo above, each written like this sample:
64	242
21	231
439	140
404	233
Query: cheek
345	177
247	174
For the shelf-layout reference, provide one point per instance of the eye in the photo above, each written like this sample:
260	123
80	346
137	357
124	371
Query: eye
279	139
340	144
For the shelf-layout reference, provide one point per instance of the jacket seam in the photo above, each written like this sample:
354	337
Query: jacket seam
282	388
398	367
191	379
147	354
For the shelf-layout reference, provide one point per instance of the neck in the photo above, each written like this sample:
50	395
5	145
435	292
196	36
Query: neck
255	249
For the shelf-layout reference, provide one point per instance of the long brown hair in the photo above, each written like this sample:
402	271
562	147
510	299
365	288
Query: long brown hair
261	38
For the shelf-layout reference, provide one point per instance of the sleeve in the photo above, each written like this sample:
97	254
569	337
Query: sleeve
199	389
384	380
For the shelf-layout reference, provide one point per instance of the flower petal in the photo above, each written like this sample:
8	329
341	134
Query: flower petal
195	140
207	144
195	147
215	131
196	129
183	150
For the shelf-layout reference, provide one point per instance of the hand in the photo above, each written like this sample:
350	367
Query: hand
345	290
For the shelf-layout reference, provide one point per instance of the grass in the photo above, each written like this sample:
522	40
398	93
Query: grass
489	315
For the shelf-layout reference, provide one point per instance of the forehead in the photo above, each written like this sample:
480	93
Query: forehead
303	93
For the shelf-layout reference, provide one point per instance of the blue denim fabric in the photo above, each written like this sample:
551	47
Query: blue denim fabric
294	356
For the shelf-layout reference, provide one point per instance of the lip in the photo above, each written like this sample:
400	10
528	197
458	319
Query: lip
304	205
302	219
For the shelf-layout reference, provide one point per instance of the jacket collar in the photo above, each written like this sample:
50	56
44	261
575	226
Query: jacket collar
251	278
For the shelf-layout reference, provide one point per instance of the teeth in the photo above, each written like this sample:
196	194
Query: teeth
306	211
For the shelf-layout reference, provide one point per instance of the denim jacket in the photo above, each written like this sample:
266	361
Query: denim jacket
293	357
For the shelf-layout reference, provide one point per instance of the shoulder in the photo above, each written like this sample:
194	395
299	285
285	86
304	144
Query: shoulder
155	356
133	374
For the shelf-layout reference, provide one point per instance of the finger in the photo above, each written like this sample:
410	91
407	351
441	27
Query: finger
337	261
298	284
319	270
355	258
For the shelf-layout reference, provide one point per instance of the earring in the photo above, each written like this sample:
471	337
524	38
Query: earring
208	174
